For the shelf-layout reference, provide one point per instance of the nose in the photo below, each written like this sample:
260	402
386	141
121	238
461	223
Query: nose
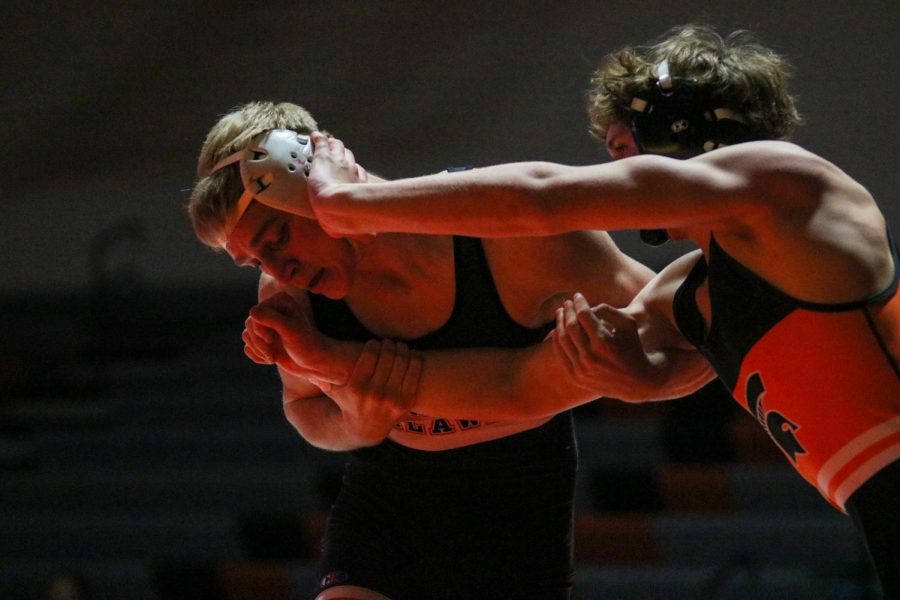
280	271
620	142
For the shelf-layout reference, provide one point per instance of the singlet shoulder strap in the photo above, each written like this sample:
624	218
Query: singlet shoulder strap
687	314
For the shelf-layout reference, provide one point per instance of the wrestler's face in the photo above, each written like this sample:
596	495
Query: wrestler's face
620	144
293	250
620	141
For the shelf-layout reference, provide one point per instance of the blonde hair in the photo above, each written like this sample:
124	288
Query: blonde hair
215	195
737	72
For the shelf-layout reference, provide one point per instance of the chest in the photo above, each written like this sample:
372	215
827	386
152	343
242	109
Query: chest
483	287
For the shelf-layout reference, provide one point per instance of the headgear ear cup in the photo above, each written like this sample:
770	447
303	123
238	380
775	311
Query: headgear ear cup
277	168
676	118
273	171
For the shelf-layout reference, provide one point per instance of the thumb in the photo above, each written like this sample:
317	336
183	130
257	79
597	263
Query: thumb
270	316
615	316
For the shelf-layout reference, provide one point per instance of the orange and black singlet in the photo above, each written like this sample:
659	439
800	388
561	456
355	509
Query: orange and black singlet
822	379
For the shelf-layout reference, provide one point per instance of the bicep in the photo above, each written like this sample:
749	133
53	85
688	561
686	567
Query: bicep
653	306
589	262
686	368
650	192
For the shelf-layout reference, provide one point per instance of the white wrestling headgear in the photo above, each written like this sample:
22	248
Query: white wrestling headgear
274	168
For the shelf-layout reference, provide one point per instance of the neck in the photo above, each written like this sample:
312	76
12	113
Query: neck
401	259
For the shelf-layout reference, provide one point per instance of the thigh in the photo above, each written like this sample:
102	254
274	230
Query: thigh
873	508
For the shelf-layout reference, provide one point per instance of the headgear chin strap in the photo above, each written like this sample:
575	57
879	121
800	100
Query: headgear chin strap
274	168
677	119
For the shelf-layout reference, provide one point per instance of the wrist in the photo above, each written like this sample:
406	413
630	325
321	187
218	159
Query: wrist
340	357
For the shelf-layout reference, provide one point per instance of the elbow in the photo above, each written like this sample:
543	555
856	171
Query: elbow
303	424
295	418
540	187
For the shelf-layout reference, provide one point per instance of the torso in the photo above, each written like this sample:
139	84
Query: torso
822	378
477	317
405	287
827	226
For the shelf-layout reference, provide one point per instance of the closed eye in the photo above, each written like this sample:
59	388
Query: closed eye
281	239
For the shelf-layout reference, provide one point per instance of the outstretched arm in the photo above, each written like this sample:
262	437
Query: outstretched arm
635	354
363	402
474	383
539	198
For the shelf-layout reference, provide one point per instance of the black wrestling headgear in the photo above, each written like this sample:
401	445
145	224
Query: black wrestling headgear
676	118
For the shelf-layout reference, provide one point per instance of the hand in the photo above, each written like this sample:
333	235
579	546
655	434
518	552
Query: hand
380	391
279	331
332	164
601	349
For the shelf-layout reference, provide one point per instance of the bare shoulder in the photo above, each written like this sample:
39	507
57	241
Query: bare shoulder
764	154
770	164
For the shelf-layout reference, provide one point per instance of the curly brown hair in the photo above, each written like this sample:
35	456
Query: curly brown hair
738	72
215	194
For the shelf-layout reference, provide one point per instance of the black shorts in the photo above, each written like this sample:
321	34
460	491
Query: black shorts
491	520
875	509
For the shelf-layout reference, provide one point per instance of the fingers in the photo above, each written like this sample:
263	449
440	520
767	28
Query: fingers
614	318
259	332
562	343
280	313
387	370
410	386
269	316
579	337
322	144
331	148
563	353
572	318
382	373
255	356
259	342
366	363
349	157
398	366
593	328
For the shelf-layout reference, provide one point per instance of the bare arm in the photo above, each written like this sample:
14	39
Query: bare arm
476	383
537	198
365	414
338	396
636	353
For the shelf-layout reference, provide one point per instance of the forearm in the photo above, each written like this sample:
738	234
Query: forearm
678	373
318	421
498	201
540	198
317	418
497	384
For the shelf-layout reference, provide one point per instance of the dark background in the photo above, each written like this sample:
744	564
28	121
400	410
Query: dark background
140	450
105	106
